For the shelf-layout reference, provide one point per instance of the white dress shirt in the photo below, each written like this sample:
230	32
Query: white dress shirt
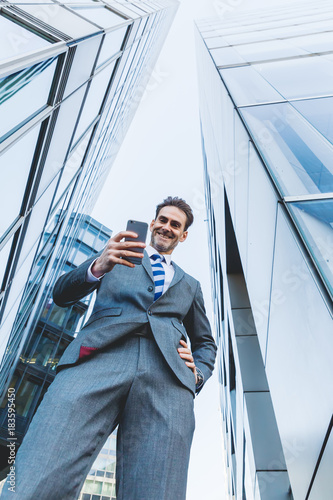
169	270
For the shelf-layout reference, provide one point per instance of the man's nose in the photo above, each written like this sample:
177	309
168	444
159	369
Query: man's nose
167	226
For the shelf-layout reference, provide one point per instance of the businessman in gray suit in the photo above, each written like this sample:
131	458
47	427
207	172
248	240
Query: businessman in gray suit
131	365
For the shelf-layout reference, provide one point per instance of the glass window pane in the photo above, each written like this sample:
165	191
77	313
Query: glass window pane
305	77
314	43
94	98
102	16
14	170
16	39
42	354
25	396
248	87
216	41
64	127
4	254
58	315
319	113
23	94
62	19
315	220
112	44
84	60
267	50
300	160
72	165
226	56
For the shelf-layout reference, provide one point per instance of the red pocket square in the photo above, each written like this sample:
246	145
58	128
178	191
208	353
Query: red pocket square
86	351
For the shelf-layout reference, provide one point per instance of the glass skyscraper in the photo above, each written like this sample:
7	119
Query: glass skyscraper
266	102
71	77
52	330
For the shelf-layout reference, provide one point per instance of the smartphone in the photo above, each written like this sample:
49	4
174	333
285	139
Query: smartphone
140	228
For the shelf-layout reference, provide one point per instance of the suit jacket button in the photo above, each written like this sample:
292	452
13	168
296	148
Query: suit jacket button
150	288
149	312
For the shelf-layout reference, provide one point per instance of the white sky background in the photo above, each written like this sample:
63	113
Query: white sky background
160	156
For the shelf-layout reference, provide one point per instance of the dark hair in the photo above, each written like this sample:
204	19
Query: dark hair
179	203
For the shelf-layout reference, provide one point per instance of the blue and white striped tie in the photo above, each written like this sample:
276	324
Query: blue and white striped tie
158	273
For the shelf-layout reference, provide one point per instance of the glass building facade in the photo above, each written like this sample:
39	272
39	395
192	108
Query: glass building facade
71	77
101	480
52	330
266	99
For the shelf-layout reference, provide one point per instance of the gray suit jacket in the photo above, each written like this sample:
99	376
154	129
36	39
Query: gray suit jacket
125	302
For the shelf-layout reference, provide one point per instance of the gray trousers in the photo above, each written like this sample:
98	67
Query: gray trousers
128	384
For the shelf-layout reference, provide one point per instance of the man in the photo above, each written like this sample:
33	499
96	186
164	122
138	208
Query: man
129	366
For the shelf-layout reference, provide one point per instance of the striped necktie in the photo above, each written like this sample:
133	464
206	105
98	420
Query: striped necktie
158	273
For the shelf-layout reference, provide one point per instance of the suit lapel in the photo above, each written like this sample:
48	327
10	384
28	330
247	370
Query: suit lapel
147	265
179	273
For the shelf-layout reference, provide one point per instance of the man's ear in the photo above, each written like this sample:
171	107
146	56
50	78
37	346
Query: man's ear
152	225
183	236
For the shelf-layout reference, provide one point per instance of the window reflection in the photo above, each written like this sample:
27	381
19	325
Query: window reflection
304	77
300	160
102	16
248	87
16	39
23	94
319	113
112	44
315	220
14	170
93	102
226	56
25	396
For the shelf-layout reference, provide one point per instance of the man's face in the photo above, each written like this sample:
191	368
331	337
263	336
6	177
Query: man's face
168	229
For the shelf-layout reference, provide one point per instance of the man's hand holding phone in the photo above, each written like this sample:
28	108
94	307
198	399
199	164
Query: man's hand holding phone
116	252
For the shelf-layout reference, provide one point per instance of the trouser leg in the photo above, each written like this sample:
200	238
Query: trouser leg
79	411
155	432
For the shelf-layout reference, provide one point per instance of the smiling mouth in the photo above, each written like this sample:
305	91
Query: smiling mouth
165	236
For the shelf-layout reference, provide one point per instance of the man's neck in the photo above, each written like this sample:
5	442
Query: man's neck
151	250
159	251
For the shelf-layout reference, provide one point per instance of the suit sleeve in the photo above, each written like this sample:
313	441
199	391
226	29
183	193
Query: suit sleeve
202	342
73	286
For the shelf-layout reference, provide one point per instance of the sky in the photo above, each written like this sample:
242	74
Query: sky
161	156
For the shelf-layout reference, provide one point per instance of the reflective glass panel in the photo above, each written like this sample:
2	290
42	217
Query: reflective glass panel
272	49
226	56
248	87
300	160
42	355
15	166
314	43
23	94
16	40
83	63
72	165
64	127
112	44
102	16
96	94
62	19
216	41
25	396
319	113
4	253
305	77
315	220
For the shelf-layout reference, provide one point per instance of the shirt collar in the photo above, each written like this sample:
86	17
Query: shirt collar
151	250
